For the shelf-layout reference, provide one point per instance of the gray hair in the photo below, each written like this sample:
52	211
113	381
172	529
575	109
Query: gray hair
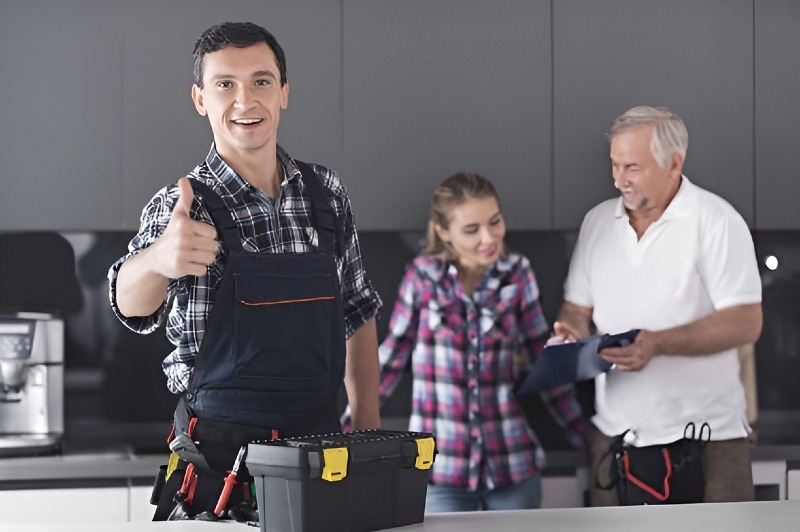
669	131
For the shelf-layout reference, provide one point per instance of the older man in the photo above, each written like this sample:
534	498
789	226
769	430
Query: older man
678	263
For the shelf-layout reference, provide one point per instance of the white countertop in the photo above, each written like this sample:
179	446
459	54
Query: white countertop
771	516
99	465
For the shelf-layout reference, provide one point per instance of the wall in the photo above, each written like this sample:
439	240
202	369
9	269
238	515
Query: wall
396	95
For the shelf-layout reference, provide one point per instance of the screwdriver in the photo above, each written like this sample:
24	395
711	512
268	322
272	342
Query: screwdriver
230	481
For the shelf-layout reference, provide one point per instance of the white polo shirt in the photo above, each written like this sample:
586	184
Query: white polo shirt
697	258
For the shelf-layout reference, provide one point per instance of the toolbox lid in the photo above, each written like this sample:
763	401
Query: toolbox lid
332	457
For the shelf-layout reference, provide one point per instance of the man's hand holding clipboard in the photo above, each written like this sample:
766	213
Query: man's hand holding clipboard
573	361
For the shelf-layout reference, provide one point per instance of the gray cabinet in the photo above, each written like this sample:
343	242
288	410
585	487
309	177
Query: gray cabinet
96	115
694	57
777	87
431	88
60	114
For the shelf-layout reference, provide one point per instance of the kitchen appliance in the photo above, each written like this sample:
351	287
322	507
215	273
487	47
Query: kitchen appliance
31	383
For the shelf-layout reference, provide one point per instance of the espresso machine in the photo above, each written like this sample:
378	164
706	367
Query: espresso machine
31	383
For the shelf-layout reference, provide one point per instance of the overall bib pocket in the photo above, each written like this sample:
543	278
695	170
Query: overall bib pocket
278	308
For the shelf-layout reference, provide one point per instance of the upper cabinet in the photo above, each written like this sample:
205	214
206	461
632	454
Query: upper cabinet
60	114
433	88
777	111
96	114
694	57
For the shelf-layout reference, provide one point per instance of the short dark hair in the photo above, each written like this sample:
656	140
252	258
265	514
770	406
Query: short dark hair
239	34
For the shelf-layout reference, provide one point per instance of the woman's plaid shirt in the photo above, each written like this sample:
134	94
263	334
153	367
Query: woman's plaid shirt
466	354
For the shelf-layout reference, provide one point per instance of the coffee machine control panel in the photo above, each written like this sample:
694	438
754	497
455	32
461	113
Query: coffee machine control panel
16	339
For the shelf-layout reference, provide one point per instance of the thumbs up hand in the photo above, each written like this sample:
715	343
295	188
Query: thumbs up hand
187	246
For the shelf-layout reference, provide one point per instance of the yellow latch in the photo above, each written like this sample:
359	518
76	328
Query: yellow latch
172	465
425	448
335	467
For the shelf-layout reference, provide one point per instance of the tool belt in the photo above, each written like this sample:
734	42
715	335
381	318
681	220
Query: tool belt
204	454
198	489
658	474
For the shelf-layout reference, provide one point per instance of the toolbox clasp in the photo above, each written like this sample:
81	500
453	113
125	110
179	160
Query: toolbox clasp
335	467
425	448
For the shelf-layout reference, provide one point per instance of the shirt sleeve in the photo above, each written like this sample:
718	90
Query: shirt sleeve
398	346
578	285
728	263
360	300
532	322
153	221
565	409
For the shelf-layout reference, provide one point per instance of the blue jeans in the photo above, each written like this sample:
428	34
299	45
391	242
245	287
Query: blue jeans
525	495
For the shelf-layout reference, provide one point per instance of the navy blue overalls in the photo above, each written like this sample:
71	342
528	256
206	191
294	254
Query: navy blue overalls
272	357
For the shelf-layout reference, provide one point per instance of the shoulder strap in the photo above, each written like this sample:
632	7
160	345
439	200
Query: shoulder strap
227	229
329	227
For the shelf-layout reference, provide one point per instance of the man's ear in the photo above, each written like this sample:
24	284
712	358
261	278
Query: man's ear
197	98
676	165
285	95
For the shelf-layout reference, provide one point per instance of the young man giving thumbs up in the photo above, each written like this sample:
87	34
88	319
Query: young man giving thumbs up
253	261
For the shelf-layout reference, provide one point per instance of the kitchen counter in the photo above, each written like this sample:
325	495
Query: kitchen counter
63	470
122	464
733	517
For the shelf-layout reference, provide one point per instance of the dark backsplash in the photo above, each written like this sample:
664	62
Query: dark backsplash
116	393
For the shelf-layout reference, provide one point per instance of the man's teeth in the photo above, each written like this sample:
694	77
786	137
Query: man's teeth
248	121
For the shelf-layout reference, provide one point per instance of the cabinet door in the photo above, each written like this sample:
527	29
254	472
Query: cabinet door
777	41
68	505
693	57
432	88
60	116
793	485
770	476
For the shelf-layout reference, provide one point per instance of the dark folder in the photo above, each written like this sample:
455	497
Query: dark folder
570	362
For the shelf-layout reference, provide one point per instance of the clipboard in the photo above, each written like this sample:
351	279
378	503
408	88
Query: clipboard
570	362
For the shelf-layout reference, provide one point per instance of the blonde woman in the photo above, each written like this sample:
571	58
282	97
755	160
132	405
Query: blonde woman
465	312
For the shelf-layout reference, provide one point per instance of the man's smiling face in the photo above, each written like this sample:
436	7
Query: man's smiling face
242	97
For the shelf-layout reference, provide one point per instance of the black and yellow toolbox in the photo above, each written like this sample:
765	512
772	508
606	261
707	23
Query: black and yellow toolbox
356	481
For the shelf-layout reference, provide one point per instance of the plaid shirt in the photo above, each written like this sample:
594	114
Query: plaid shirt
468	352
282	225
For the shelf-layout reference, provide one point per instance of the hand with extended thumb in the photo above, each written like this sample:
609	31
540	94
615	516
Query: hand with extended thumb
187	246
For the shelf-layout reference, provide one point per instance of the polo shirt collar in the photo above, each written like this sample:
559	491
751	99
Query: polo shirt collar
682	204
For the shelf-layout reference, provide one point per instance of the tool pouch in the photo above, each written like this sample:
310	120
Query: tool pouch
163	495
195	488
158	485
202	492
658	474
